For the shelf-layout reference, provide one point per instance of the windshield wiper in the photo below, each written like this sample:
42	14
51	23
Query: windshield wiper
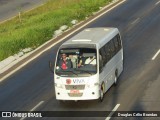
83	71
70	71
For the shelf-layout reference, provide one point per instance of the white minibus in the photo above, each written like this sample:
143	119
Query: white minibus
88	64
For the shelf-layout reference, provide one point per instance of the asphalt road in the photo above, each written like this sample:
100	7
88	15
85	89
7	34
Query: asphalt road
138	87
10	8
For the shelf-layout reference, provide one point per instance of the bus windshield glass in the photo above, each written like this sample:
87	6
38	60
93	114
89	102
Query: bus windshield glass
76	62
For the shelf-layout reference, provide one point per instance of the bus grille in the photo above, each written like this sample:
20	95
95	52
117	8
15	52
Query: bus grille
74	87
75	94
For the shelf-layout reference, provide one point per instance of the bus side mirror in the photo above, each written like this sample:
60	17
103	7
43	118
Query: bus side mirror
51	67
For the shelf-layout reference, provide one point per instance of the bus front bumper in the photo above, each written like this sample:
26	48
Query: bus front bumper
86	94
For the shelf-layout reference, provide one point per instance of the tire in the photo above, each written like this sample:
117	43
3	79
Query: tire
102	92
116	75
115	80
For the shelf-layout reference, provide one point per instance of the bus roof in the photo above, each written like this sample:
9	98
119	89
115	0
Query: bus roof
93	36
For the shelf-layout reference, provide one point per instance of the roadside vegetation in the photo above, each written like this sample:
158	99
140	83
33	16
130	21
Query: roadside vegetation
37	26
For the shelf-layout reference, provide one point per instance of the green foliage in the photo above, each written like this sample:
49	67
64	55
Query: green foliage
38	25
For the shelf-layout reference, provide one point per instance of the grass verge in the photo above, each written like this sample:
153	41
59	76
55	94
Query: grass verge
38	25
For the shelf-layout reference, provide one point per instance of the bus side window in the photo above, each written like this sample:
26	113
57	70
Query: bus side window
119	42
115	40
112	48
107	52
102	53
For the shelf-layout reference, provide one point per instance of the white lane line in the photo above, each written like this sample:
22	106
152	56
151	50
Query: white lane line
39	104
154	57
110	115
33	109
135	21
61	40
157	3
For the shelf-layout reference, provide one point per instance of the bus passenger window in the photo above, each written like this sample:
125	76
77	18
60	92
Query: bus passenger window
115	40
112	48
103	54
108	52
119	42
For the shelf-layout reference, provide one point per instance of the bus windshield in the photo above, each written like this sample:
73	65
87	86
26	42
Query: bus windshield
76	62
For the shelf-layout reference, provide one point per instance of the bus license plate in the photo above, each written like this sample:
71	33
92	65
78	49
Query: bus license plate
74	91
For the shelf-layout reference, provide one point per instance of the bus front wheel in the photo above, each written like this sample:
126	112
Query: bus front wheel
115	79
102	92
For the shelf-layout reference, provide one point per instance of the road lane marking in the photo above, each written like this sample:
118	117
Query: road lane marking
135	21
60	40
39	104
154	57
114	109
157	3
33	109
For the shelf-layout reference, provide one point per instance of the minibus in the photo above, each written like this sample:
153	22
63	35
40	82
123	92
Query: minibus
88	64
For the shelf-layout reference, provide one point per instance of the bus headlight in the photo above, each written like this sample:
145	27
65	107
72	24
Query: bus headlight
58	85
